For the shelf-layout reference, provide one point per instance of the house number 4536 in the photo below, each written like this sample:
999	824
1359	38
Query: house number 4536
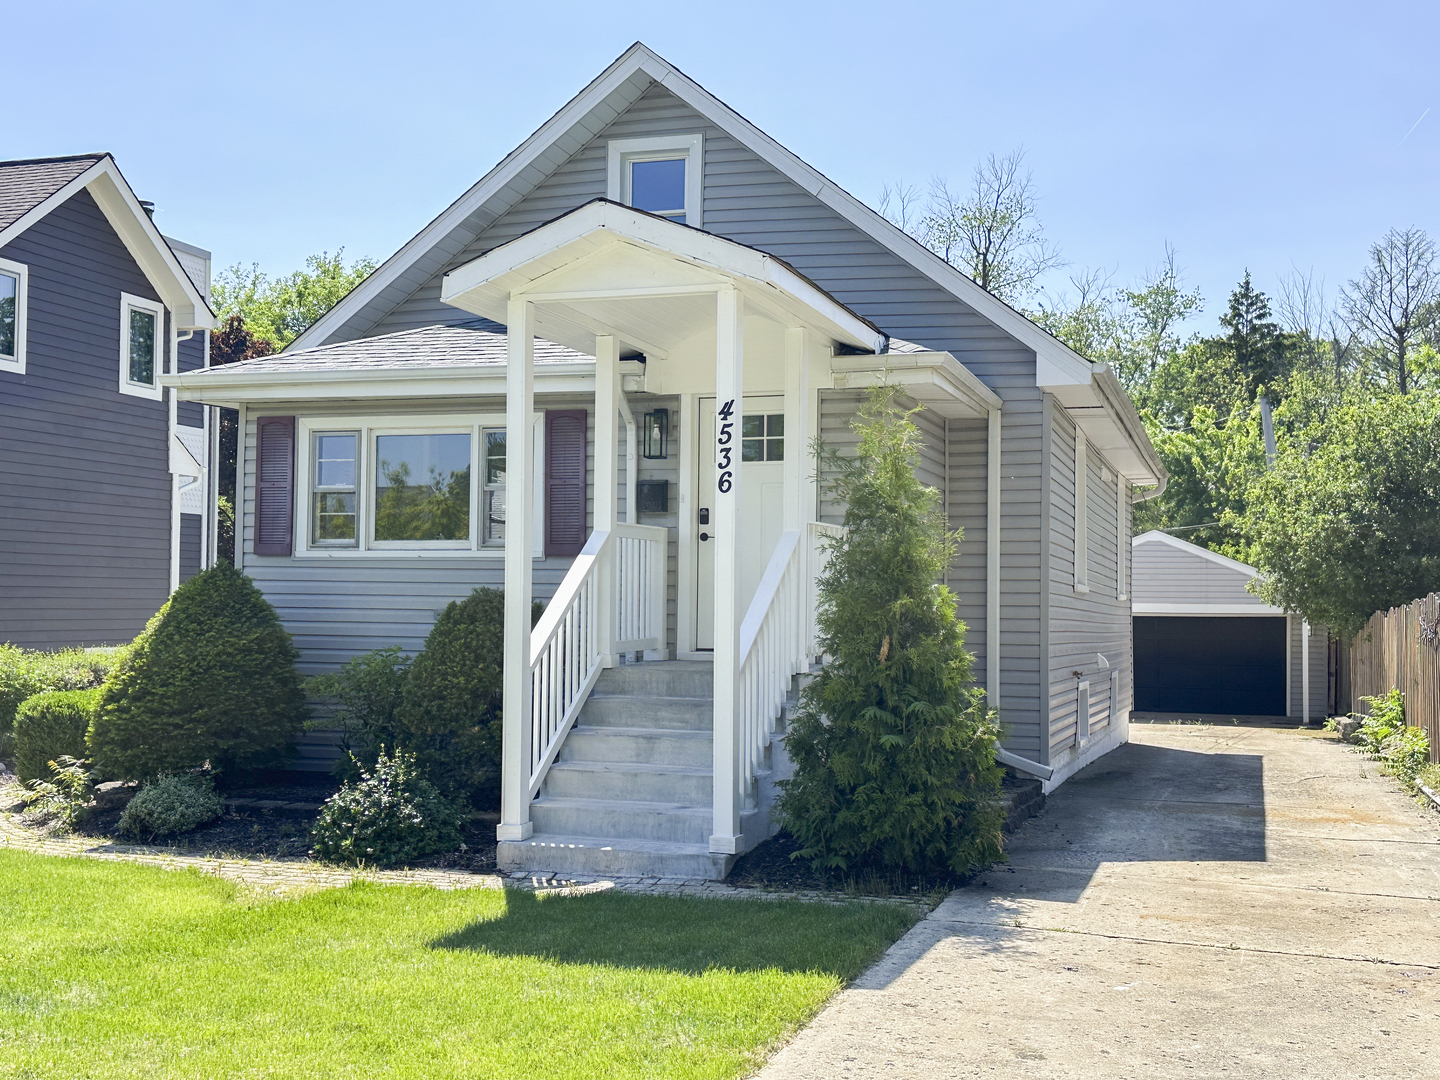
724	437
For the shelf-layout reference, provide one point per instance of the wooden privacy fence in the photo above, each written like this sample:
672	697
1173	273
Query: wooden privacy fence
1401	648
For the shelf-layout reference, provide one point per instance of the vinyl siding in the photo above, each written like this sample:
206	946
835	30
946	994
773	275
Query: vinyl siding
190	553
748	201
336	608
1165	574
191	353
1319	670
84	469
1084	626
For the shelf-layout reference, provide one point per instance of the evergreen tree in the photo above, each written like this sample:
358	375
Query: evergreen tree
1259	346
894	749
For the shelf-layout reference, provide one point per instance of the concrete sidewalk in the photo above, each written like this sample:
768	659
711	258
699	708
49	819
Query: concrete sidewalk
1206	901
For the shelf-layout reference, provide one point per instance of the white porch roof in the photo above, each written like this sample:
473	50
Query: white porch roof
600	270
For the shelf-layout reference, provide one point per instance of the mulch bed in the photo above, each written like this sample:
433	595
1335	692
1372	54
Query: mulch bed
769	866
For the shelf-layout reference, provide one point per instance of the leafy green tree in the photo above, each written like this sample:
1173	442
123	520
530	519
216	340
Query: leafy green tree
1348	521
894	750
278	310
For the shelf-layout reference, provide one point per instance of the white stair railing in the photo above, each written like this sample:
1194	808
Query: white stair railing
576	638
772	651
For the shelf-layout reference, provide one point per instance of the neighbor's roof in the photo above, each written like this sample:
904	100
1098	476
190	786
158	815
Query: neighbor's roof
24	185
477	341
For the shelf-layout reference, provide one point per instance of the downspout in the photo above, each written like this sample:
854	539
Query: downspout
172	420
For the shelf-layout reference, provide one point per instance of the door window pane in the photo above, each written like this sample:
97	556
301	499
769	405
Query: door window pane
9	290
422	487
333	491
659	187
142	347
493	497
762	437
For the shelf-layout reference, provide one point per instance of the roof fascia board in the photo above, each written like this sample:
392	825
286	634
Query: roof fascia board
963	382
43	208
509	168
1118	403
148	248
1155	535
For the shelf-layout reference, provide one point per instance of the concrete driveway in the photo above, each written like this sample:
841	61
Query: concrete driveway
1206	901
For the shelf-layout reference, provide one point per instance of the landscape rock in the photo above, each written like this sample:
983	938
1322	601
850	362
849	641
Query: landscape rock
115	794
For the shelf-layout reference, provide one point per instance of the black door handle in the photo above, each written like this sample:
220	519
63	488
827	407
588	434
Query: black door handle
704	536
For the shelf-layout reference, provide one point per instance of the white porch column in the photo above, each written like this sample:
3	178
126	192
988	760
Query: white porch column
607	428
797	421
517	754
729	404
992	561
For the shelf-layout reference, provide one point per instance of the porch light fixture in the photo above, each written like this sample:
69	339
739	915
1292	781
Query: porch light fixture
657	434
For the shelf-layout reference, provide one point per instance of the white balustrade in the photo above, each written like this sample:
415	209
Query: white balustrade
622	569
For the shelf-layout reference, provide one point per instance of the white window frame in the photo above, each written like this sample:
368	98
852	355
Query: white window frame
154	307
660	148
1082	512
368	427
16	363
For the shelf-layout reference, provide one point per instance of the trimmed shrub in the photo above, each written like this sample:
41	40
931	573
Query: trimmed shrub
450	718
169	805
50	725
390	816
211	679
894	751
367	693
25	673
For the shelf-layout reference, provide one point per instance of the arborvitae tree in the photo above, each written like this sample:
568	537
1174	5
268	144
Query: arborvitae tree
211	678
894	749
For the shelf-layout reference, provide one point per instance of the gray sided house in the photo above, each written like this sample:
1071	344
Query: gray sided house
593	380
1206	645
102	471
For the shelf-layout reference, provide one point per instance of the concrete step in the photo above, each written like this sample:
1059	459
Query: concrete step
661	678
592	856
657	711
652	746
680	823
631	781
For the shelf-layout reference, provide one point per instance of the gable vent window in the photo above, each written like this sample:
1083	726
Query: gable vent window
142	335
661	175
13	281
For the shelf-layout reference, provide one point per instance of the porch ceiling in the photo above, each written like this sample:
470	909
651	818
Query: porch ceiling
612	270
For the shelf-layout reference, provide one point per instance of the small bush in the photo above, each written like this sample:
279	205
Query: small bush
450	718
1405	753
390	816
25	673
65	795
50	725
1430	777
1387	716
368	692
211	679
169	805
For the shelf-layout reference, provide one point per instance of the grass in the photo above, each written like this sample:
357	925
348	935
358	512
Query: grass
113	970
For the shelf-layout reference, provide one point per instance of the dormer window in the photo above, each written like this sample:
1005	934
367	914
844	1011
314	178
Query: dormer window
663	175
142	336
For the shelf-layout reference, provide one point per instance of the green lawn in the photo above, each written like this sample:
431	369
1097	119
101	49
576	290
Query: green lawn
110	970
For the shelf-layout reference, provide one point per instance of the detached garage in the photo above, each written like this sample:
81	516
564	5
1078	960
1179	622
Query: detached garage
1206	646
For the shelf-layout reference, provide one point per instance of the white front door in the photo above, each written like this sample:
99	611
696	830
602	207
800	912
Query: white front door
761	510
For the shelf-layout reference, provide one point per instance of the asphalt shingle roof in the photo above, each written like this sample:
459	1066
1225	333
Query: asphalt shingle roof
24	185
476	341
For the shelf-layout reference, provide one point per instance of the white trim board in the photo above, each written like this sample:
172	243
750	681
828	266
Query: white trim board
1223	610
137	232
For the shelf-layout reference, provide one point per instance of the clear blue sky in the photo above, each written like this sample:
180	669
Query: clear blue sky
1251	134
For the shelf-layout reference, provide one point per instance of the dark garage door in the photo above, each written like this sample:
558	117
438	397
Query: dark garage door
1205	665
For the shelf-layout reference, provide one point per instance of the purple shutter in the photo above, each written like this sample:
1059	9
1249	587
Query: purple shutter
274	485
565	530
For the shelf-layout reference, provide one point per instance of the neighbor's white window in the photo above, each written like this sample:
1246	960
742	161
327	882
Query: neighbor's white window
663	175
142	346
377	484
14	279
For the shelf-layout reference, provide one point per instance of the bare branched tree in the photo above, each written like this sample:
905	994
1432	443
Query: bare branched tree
1307	312
1393	305
991	231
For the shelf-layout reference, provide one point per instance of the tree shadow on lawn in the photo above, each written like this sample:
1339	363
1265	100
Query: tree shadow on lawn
688	935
